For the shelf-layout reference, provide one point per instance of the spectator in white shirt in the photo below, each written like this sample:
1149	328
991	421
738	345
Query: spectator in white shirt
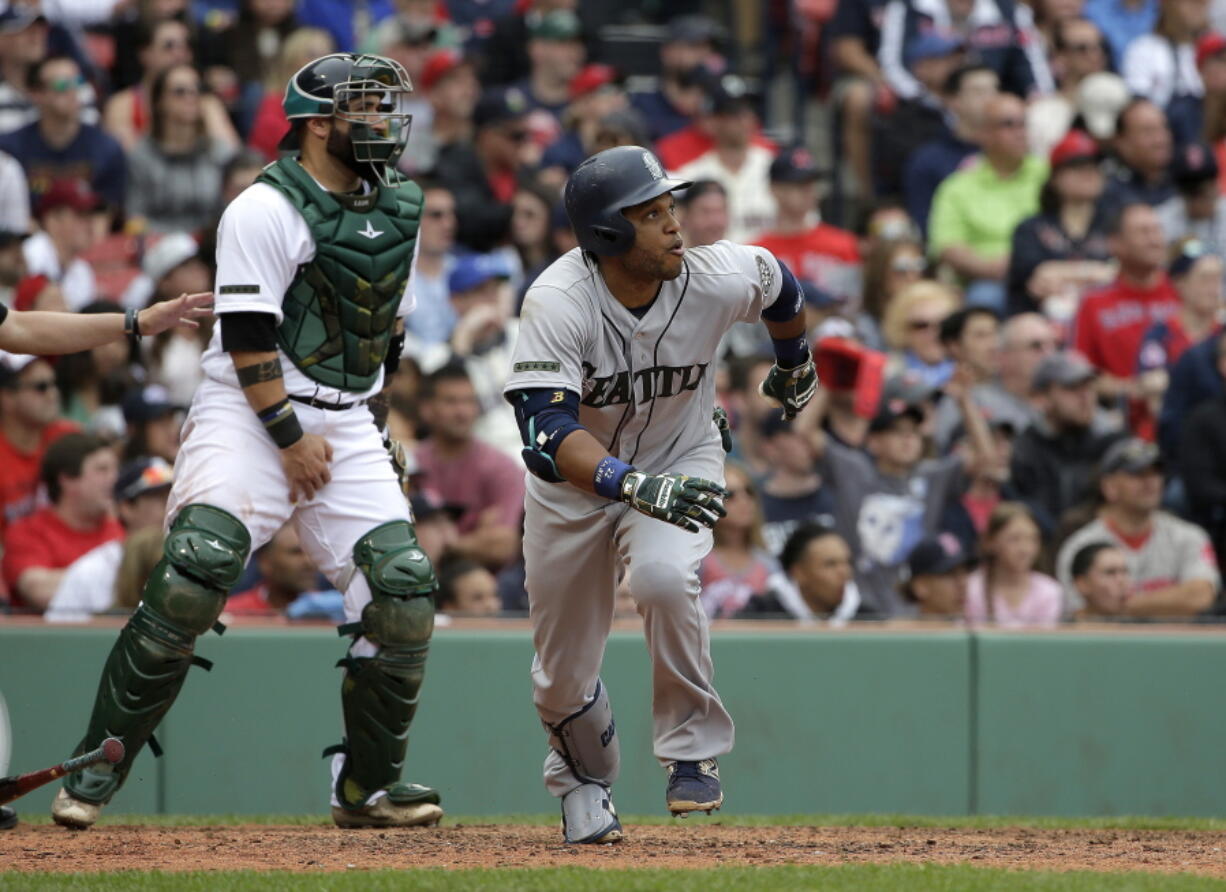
88	584
735	162
65	215
1162	66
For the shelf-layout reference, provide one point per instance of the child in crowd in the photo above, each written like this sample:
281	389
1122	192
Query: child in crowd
1006	590
738	565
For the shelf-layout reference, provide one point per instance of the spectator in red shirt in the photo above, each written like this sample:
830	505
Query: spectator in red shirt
285	573
29	422
79	471
465	471
1111	322
817	252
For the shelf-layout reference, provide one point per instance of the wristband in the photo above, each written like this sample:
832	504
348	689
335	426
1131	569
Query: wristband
131	324
791	352
608	477
281	423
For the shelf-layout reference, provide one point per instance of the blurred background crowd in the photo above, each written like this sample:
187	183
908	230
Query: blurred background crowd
1007	216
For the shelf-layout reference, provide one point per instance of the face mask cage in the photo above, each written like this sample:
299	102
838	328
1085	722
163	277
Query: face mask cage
375	103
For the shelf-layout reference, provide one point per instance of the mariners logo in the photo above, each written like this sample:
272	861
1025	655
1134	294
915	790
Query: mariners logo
766	274
653	166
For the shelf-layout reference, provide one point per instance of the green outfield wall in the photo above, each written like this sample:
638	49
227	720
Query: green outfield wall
920	722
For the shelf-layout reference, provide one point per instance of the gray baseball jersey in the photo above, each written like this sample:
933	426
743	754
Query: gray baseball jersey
647	391
646	386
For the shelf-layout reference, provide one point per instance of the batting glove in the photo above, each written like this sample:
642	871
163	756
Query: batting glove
688	502
790	389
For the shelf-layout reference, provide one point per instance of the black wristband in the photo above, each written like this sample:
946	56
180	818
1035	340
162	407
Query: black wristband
131	323
281	423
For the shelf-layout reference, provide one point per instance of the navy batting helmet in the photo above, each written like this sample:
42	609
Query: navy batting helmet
603	186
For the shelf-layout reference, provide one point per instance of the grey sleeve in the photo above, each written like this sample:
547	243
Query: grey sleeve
549	349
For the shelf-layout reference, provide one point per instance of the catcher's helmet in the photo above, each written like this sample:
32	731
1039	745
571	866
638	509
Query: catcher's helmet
604	185
370	92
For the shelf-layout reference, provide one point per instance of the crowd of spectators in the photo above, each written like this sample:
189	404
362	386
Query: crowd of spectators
1008	218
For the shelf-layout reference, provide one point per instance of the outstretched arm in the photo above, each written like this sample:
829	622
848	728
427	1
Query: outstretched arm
49	333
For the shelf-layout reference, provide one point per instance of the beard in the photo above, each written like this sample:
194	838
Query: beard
661	267
340	147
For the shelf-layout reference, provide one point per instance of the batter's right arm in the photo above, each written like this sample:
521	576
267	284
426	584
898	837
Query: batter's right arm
559	449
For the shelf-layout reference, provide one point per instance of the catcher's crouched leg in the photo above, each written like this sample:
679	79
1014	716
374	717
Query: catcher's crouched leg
204	554
587	743
379	692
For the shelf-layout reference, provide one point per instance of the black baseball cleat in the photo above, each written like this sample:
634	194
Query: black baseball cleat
693	786
8	818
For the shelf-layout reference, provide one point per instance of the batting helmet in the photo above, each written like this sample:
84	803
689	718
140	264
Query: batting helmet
603	186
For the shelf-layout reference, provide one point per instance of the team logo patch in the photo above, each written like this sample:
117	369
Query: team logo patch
370	232
653	166
239	289
766	274
538	366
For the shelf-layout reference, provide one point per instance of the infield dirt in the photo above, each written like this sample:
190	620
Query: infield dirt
266	847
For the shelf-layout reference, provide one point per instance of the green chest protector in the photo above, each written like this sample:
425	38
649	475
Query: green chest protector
340	309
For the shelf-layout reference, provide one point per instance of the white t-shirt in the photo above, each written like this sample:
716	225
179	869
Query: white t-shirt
76	281
14	196
88	585
751	207
262	240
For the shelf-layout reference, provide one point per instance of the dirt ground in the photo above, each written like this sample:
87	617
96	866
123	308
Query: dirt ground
49	848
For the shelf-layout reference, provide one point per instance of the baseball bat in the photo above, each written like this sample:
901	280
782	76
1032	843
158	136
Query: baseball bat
19	784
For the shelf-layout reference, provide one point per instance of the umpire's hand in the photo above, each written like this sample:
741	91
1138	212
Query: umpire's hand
306	466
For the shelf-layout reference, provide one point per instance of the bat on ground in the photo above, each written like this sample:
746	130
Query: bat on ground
19	784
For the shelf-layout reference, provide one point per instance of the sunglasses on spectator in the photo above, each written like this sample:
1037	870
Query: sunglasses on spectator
517	135
39	386
64	84
172	44
907	265
184	91
922	324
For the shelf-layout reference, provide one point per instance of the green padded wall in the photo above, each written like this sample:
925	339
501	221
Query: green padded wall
929	722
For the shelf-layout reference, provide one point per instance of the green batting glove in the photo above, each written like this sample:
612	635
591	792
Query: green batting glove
687	502
725	429
791	389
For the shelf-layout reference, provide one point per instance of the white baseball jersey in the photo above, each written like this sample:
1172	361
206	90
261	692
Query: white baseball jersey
646	386
262	240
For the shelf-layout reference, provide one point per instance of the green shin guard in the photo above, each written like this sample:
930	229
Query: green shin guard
379	693
205	551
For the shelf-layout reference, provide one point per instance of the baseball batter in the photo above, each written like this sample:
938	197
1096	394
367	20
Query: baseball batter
614	388
314	264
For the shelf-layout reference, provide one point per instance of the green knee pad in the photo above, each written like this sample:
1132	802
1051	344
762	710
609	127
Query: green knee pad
204	554
379	693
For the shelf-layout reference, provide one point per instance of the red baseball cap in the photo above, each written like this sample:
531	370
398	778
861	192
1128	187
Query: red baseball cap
1209	45
1076	146
591	77
75	194
439	64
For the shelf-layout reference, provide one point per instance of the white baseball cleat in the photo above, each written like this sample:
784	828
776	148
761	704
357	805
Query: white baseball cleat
68	811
